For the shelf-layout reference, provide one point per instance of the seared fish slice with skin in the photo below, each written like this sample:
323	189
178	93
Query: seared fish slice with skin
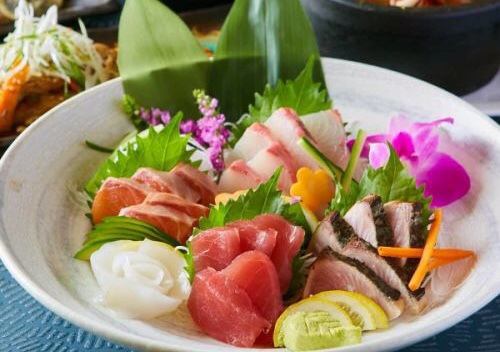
369	221
334	271
406	221
334	232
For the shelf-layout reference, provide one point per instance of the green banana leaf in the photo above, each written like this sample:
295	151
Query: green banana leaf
160	61
261	41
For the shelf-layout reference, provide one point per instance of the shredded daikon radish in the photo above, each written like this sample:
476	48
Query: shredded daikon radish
50	49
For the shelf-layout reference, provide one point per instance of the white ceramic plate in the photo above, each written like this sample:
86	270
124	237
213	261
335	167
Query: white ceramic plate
42	219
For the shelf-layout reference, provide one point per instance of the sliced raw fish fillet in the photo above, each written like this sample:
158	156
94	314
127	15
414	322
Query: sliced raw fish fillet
198	181
253	237
288	242
255	273
171	200
368	219
333	271
335	233
215	248
224	311
287	127
163	181
238	176
327	129
406	222
175	223
256	138
268	160
115	194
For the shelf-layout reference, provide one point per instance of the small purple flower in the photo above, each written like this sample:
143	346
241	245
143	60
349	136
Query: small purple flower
155	116
443	178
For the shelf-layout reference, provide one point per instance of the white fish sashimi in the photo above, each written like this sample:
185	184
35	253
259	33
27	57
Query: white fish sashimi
257	137
268	160
327	129
360	218
140	280
238	176
287	127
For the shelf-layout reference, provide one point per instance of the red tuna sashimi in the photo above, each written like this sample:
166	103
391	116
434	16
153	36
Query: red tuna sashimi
271	158
173	222
288	243
163	181
174	201
253	237
286	125
256	138
215	248
238	176
255	273
198	181
115	194
224	311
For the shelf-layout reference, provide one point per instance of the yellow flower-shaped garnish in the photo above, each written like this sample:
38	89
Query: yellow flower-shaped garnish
314	188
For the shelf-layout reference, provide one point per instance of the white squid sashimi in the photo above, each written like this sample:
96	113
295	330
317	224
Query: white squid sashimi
140	280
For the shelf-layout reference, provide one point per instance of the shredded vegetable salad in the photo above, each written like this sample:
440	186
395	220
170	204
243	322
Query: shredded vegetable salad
50	49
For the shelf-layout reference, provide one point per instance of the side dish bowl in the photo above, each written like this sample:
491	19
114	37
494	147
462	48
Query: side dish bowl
455	48
42	220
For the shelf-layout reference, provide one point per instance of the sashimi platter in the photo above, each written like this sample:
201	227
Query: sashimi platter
245	206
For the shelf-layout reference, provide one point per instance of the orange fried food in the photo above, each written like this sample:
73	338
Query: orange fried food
10	95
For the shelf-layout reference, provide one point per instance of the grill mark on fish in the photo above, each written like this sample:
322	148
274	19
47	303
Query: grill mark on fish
385	237
390	292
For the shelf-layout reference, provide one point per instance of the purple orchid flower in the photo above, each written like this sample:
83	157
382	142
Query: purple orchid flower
443	178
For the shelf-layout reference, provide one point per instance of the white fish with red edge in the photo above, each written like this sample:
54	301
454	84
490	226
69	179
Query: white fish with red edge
288	128
327	129
238	176
268	160
255	138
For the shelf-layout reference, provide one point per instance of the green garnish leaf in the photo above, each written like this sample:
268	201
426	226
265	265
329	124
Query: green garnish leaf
160	60
158	148
188	257
303	94
261	41
265	199
98	148
391	182
118	228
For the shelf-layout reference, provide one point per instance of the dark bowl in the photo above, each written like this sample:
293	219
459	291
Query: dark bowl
456	48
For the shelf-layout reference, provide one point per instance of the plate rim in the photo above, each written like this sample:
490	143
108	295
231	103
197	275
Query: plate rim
133	340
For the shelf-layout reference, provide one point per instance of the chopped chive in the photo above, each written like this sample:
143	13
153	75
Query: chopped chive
98	148
353	160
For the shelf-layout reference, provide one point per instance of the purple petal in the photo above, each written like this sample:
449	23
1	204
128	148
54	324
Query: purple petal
398	124
373	138
436	123
403	144
445	180
378	155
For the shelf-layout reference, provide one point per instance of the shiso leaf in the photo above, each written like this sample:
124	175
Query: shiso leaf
391	182
265	199
159	148
118	228
160	61
303	94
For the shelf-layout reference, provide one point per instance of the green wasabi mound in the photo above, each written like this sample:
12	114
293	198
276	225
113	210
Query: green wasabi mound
306	331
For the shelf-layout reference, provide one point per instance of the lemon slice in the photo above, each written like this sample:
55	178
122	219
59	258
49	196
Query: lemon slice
364	312
312	304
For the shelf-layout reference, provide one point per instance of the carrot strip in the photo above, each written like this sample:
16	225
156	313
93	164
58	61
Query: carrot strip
439	253
422	268
10	95
437	262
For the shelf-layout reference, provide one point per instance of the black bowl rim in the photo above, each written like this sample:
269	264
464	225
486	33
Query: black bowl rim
471	9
